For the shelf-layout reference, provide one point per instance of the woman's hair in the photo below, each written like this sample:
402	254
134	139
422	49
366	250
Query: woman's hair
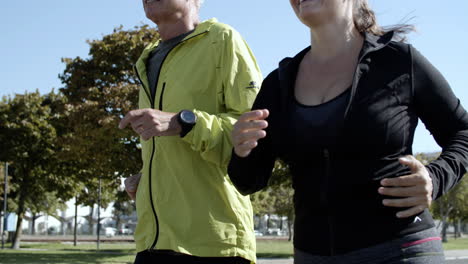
366	22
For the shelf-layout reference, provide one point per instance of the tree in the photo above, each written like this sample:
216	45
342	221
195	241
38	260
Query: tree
100	90
123	207
48	205
11	204
277	198
28	139
453	206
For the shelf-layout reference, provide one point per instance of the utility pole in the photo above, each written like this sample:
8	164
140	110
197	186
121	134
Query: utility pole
3	219
99	214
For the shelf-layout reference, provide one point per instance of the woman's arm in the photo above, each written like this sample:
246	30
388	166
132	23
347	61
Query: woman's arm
444	116
252	139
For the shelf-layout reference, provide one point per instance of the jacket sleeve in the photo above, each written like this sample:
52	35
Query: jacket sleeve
251	173
444	116
241	76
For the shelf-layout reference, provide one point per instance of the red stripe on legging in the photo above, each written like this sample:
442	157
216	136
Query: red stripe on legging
417	242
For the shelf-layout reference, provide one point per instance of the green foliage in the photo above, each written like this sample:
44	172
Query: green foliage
59	145
277	198
11	203
454	204
123	206
100	90
28	143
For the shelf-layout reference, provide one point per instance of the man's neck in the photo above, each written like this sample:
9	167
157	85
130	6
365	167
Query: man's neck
171	29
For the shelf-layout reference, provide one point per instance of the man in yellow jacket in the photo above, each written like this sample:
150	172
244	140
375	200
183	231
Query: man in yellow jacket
196	81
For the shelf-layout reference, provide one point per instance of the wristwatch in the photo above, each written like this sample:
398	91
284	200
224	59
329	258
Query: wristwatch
187	119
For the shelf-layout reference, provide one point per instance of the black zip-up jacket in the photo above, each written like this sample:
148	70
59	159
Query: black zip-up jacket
338	208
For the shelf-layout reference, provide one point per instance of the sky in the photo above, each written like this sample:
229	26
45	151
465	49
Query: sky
36	35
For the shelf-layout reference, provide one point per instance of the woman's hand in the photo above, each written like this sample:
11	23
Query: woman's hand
414	190
248	130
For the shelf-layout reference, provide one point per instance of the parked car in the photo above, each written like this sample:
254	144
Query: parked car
125	231
274	232
258	233
110	231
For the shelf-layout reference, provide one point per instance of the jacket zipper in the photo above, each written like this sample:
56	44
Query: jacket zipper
141	82
150	166
155	214
325	200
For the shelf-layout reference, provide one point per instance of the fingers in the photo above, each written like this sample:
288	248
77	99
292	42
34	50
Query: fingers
138	123
244	149
416	205
246	135
410	161
407	202
250	125
130	117
248	142
415	210
254	115
403	191
248	130
407	180
149	133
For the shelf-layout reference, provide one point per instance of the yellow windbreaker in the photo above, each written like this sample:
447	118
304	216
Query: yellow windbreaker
185	200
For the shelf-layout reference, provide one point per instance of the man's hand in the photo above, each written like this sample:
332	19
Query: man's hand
414	190
149	123
131	185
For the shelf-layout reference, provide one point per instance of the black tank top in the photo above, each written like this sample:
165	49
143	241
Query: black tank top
318	125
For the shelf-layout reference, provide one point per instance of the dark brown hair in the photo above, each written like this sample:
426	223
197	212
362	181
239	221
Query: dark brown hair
366	22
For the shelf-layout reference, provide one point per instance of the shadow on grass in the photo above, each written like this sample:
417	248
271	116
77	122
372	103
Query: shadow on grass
102	251
274	255
64	258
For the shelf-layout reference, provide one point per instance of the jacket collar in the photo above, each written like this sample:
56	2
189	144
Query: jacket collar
201	28
288	67
371	43
140	65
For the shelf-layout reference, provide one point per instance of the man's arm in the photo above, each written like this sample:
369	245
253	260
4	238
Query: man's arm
211	136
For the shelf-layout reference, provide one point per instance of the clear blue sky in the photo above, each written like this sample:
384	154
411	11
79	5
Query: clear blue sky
37	34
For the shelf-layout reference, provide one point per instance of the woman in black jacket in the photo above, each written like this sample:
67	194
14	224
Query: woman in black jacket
342	114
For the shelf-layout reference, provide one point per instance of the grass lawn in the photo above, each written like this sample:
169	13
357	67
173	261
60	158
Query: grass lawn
274	248
459	243
56	253
32	253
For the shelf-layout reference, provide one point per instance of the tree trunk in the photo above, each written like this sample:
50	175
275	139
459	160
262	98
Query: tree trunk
33	227
445	216
20	214
91	220
290	231
76	222
444	230
457	224
63	220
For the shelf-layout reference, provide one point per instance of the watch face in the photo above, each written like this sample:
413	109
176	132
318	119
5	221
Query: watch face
188	117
